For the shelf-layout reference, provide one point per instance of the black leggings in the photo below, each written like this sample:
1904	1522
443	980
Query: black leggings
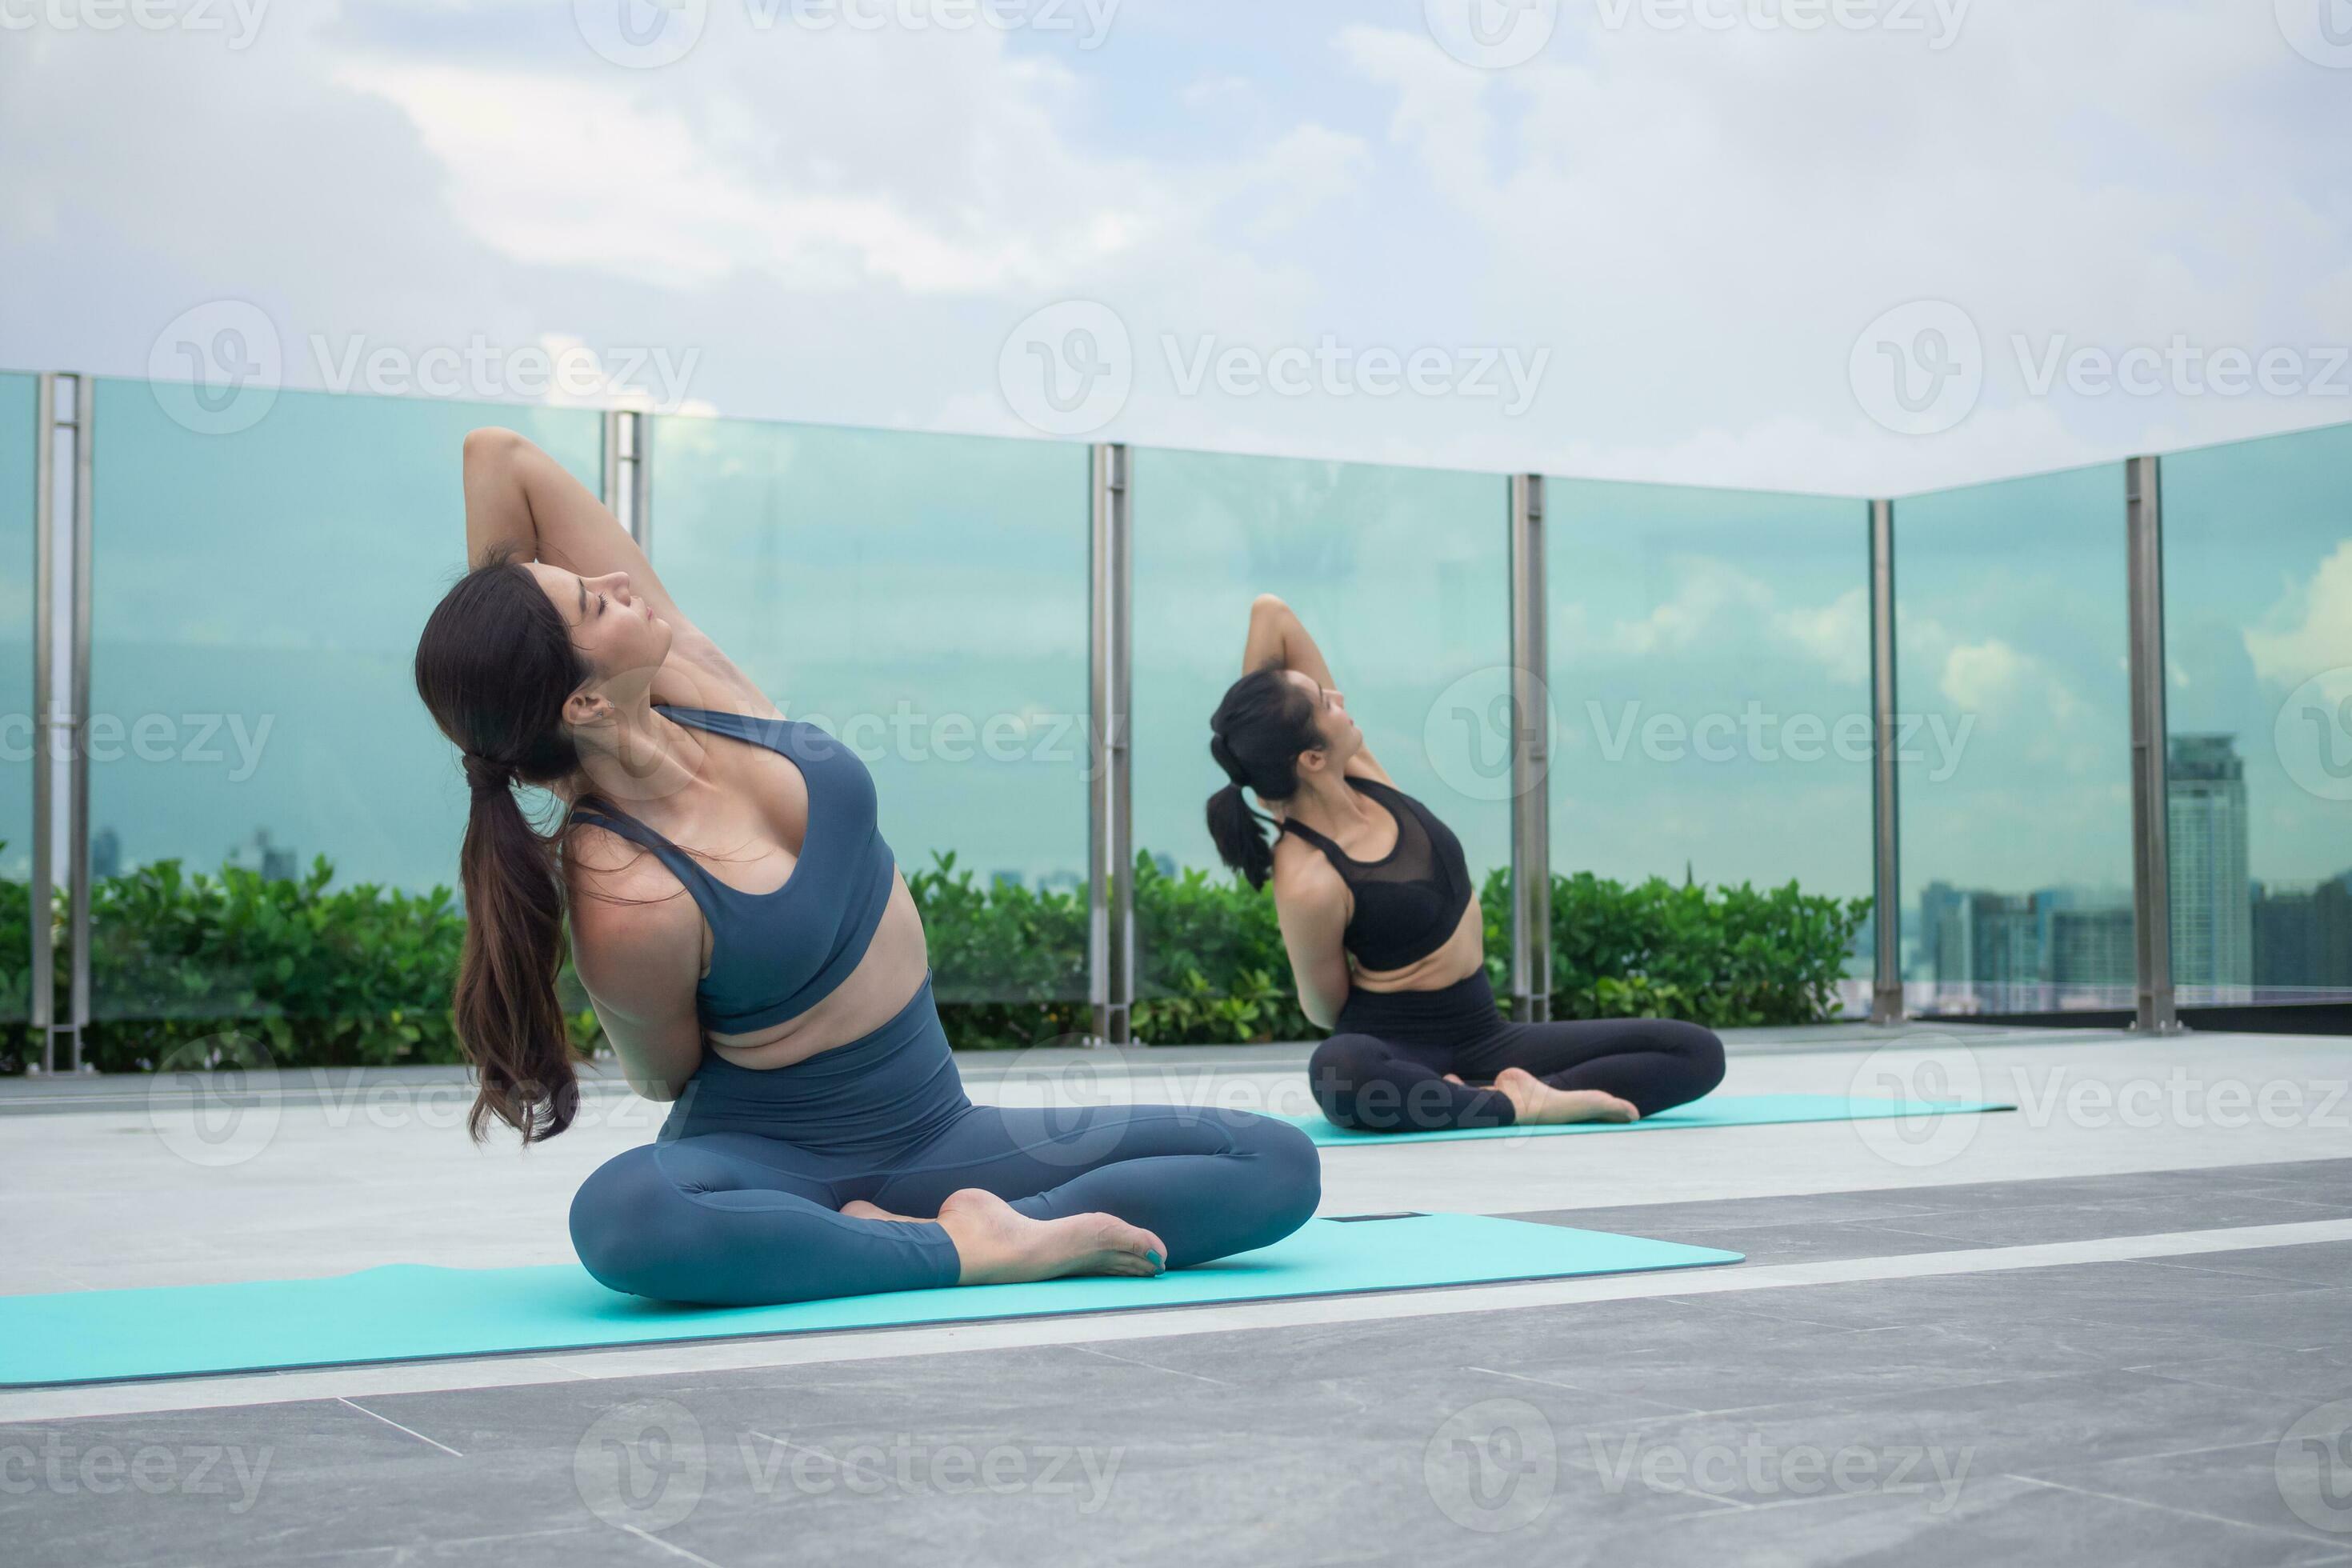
1384	1070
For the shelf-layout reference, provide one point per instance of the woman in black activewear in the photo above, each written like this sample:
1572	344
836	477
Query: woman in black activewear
1384	932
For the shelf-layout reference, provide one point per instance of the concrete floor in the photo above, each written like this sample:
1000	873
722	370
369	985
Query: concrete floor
2115	1324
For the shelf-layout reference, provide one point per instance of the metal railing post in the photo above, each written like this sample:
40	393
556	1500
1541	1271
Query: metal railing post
2151	825
1530	758
629	473
61	704
43	892
1886	789
1110	846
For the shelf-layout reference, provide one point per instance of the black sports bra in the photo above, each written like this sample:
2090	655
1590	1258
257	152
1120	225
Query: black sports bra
1409	901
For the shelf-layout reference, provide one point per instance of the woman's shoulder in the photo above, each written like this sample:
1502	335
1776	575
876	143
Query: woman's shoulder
1302	872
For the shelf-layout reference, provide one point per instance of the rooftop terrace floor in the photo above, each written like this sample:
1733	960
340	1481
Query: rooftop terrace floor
2108	1326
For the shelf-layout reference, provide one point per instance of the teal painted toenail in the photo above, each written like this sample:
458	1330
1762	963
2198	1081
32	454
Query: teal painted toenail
1152	1259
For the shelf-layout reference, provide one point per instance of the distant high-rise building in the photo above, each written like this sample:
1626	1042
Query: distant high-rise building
2212	899
2303	940
2091	958
1862	954
1983	950
1166	862
2004	944
1942	952
1006	879
105	855
274	861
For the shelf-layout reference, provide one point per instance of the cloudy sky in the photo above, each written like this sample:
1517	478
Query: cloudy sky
1860	246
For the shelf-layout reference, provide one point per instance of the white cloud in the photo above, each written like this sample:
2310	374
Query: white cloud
1984	678
1836	634
2308	632
846	223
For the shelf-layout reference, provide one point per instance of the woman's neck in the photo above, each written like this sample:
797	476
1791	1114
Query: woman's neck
640	755
1326	803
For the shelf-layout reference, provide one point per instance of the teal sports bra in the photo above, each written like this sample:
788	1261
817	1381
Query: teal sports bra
775	955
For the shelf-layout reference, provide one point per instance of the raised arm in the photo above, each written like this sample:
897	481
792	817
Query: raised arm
1277	636
518	494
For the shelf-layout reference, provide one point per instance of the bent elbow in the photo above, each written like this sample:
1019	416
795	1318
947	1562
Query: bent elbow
490	444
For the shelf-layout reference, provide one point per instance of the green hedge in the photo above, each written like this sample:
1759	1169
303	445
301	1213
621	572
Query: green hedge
362	974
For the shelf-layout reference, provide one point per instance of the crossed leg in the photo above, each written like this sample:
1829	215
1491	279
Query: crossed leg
1572	1070
737	1219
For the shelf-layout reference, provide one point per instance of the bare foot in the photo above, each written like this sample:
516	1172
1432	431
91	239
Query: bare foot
1535	1103
858	1208
1000	1246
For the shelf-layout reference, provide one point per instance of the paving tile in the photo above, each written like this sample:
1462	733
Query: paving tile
2036	1223
2260	1368
2111	1292
1997	1519
1997	1426
2317	1263
2238	1483
1804	1241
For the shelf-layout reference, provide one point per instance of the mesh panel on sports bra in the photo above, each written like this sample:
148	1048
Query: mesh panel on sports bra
1409	902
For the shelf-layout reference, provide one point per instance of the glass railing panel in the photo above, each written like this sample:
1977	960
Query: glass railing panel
2015	761
2258	634
924	598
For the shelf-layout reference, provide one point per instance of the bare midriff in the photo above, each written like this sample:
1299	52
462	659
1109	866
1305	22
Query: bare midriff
877	991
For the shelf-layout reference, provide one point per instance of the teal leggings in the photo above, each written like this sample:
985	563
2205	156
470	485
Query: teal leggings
737	1203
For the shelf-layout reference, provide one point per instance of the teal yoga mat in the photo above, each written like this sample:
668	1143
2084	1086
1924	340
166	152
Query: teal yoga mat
1715	1110
408	1311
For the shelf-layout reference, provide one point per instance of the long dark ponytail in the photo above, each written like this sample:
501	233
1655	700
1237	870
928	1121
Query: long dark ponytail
495	665
1256	736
